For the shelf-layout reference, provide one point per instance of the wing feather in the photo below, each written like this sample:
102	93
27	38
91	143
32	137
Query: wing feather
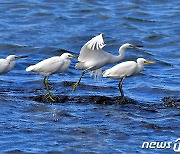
3	65
48	66
120	70
92	48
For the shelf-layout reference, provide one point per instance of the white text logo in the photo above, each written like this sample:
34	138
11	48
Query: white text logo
162	145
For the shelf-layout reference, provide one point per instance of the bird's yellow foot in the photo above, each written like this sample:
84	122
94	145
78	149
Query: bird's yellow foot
75	86
50	97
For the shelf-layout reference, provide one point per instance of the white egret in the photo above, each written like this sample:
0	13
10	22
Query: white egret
93	57
124	70
53	65
8	64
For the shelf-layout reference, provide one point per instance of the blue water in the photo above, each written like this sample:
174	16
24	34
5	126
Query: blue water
40	28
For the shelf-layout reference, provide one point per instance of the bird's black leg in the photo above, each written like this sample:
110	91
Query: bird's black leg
77	83
47	89
120	88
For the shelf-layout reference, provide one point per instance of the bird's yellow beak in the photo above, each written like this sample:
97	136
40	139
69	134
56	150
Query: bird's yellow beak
133	46
73	56
149	62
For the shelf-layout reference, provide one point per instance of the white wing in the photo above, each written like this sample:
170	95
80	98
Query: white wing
49	66
3	66
120	70
92	49
96	42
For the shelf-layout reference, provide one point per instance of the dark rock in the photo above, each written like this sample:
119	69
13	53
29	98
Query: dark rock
86	99
171	102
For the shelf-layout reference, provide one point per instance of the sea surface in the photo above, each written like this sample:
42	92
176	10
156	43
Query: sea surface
44	28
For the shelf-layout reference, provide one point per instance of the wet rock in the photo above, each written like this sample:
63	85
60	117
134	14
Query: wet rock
171	102
110	100
44	99
86	99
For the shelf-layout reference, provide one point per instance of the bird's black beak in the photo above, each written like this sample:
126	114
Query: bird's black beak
19	57
137	46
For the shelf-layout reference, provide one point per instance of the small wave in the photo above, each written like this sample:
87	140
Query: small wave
12	46
138	19
157	127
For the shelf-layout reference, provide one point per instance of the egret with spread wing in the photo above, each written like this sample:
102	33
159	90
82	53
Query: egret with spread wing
93	57
124	70
53	65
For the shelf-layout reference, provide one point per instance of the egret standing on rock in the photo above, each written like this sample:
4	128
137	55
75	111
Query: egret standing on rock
124	70
93	57
53	65
8	64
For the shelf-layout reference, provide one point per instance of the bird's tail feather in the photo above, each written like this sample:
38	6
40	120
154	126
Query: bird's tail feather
97	74
30	68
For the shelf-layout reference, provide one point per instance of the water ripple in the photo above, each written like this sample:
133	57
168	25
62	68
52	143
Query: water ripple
46	28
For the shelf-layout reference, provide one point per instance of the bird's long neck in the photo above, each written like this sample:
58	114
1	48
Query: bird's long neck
140	67
12	63
114	59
